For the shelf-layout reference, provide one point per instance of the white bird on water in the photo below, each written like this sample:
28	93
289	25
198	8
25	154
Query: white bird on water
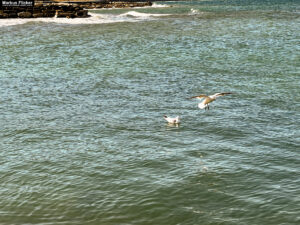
175	120
208	99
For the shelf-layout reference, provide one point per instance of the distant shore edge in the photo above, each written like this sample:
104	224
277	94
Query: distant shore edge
64	9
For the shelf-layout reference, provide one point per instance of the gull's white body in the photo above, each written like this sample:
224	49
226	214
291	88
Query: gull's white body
174	120
208	99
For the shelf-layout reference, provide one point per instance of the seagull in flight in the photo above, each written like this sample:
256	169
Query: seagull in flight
171	120
208	99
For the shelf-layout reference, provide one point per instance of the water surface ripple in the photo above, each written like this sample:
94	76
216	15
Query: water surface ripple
83	140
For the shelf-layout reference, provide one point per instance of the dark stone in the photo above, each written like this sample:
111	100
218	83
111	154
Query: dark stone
71	10
36	15
82	13
69	14
24	14
3	14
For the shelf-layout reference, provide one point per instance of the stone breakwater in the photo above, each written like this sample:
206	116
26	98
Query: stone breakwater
67	10
40	10
99	5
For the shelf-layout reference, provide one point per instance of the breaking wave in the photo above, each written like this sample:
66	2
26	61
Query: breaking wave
195	12
156	5
142	15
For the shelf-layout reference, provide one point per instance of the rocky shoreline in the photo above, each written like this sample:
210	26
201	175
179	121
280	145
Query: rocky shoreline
76	9
112	4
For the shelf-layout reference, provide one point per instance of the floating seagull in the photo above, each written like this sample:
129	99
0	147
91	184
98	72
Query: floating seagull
208	99
174	120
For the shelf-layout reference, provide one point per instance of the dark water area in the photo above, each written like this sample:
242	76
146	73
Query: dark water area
83	139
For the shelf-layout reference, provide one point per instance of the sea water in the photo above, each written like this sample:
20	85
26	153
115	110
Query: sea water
82	134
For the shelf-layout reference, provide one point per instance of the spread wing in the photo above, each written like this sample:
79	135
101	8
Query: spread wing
222	94
199	96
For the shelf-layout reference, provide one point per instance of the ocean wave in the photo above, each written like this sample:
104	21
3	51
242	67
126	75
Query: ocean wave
142	15
195	12
156	5
95	18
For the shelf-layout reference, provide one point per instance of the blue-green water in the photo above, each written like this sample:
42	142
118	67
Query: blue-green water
82	135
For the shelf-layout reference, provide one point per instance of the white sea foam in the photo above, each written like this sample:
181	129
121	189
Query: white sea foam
156	5
142	15
11	22
95	18
194	12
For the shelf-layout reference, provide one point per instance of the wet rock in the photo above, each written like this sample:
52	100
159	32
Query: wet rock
24	14
3	14
38	14
47	10
82	13
67	10
69	14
